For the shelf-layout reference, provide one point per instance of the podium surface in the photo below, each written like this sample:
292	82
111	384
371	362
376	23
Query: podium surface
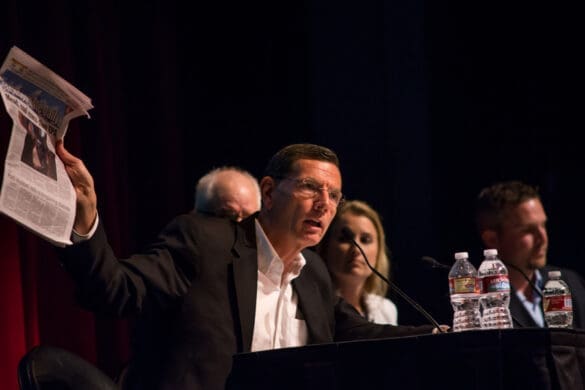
528	358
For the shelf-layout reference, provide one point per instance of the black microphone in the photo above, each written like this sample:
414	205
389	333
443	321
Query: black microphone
434	263
349	235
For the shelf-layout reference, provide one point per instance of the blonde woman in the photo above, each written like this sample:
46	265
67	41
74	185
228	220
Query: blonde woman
353	279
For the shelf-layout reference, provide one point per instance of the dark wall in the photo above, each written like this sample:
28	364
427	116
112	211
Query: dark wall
424	103
505	88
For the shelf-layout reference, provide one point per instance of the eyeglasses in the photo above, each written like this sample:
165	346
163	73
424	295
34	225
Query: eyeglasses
311	188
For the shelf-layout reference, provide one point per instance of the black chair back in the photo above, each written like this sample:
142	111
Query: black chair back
51	368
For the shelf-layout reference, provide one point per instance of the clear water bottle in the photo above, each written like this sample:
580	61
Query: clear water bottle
495	297
464	288
557	304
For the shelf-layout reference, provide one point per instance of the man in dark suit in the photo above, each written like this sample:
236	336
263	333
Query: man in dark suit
511	218
209	287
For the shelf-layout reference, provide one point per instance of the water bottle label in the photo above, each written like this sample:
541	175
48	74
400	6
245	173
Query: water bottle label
557	303
464	285
496	283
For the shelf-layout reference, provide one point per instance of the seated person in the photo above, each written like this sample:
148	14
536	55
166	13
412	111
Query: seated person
352	278
511	218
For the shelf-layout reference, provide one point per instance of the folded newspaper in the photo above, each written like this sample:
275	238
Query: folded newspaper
36	191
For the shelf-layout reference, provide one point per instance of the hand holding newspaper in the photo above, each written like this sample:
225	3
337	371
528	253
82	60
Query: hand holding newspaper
36	190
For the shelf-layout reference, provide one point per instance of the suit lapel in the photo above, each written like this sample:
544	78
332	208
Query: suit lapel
245	268
520	316
312	308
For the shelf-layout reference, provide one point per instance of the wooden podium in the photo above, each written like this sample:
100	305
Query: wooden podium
487	359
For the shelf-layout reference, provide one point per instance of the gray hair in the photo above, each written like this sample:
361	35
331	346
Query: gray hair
206	190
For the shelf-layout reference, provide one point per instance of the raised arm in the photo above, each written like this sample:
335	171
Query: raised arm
82	180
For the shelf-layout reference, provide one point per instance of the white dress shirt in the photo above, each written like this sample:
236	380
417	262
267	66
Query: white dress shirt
380	310
277	323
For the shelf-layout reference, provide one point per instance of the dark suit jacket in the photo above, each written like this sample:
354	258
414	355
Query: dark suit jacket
522	318
194	294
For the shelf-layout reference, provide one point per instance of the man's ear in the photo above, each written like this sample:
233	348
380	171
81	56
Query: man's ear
267	186
489	238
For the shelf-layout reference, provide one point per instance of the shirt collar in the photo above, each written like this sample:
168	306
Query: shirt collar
539	281
270	264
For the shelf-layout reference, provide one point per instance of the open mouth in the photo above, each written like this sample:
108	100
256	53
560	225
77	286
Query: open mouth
313	223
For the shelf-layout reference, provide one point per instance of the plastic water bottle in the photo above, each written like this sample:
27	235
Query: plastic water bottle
464	288
557	304
495	297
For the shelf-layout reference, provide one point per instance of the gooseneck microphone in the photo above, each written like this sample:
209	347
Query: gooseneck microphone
434	263
530	282
349	235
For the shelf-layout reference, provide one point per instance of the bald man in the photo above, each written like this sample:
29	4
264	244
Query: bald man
228	192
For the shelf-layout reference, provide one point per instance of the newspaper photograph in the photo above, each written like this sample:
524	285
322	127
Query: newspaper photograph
36	191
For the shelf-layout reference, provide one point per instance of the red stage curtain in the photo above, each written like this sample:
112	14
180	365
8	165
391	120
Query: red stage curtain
13	332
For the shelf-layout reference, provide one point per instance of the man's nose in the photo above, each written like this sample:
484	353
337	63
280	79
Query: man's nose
320	201
543	235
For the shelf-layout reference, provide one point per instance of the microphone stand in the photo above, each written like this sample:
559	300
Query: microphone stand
350	236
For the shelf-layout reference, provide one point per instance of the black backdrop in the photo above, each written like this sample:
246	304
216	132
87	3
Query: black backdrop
425	103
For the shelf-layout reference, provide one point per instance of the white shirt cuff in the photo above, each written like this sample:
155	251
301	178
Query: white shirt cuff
77	238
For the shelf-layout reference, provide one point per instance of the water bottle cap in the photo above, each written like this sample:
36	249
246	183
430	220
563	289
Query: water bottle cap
490	252
554	274
461	255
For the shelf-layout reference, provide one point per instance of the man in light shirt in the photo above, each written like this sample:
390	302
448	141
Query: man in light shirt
209	287
510	217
